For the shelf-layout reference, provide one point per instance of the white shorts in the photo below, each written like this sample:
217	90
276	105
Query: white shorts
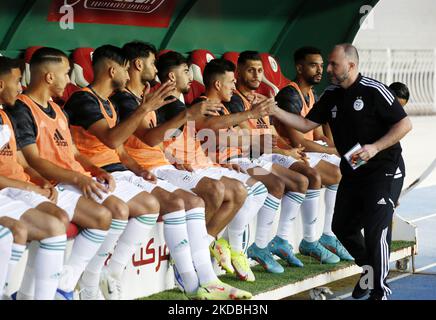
149	186
125	190
12	208
182	179
137	184
276	158
246	163
32	199
240	176
316	157
218	172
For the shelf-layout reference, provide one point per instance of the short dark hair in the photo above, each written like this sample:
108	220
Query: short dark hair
301	53
167	62
244	56
110	52
138	49
46	55
214	68
400	90
7	64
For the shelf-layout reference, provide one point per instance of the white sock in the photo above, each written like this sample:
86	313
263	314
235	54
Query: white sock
265	219
259	193
291	203
199	241
91	275
48	266
6	240
136	231
27	288
330	200
210	239
177	240
236	227
84	249
309	211
17	253
254	201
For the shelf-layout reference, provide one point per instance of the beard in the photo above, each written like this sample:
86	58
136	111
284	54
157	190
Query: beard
250	85
117	84
339	79
185	90
312	80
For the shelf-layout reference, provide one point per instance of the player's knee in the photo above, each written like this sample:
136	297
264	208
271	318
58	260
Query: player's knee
239	191
192	201
19	231
119	209
173	203
301	183
314	176
53	227
150	203
103	218
217	189
61	215
277	188
213	192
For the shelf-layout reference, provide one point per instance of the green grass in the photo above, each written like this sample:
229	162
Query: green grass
266	281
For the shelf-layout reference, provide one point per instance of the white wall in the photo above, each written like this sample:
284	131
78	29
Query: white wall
400	24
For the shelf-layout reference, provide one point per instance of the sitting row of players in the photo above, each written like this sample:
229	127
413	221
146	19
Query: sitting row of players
119	155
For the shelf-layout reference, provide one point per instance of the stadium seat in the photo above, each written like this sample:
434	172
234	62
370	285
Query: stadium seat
273	80
199	58
27	56
231	56
82	61
163	51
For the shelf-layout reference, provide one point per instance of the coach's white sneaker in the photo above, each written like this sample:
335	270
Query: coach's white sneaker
110	286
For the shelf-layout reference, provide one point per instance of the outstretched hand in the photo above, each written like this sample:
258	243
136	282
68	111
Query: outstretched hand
203	109
152	101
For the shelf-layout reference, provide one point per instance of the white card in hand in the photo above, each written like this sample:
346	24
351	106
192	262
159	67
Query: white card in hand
355	162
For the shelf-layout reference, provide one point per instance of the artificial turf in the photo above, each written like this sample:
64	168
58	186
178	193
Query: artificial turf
266	281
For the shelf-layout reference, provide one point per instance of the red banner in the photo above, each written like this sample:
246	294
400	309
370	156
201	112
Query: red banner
145	13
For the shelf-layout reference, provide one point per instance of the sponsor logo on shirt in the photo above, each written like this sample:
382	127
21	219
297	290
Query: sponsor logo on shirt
59	139
6	151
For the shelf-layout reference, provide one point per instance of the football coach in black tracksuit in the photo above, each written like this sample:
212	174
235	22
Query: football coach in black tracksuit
361	111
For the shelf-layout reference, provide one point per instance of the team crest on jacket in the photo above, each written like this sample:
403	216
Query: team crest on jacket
358	104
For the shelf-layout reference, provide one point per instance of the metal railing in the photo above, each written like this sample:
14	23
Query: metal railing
415	68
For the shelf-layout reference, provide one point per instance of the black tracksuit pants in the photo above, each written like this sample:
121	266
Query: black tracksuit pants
368	206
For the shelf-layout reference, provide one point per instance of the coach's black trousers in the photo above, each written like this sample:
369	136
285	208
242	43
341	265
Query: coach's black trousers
367	206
